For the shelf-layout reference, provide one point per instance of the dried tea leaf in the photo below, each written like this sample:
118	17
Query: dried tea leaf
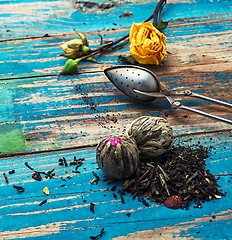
6	178
43	202
98	236
92	207
19	188
11	172
36	176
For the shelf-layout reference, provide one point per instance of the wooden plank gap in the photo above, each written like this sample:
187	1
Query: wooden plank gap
95	144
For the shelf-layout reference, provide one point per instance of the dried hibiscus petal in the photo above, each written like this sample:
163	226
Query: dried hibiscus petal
173	202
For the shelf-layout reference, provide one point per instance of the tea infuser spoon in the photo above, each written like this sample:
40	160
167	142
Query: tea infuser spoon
142	85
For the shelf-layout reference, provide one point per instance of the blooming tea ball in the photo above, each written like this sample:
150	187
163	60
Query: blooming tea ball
117	157
153	135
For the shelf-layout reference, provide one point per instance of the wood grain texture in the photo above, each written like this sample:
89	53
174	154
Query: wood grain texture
70	112
44	117
67	211
51	112
37	18
191	47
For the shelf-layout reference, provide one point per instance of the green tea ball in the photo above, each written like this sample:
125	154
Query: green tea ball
153	135
117	157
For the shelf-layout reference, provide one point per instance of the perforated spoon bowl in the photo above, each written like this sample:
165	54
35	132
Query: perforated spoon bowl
142	85
127	78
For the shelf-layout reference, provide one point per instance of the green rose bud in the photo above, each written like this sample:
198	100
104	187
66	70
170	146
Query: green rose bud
70	67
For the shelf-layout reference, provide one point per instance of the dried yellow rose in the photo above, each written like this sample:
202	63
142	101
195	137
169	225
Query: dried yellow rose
148	44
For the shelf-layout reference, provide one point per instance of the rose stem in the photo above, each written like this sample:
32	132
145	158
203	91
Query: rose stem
108	45
156	12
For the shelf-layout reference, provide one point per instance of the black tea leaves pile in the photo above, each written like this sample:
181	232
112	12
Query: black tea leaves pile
176	178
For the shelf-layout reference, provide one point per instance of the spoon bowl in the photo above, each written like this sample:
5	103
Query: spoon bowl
127	78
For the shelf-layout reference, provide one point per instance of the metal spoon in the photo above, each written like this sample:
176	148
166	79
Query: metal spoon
142	85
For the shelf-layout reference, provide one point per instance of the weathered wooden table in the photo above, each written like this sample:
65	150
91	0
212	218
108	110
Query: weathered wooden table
44	117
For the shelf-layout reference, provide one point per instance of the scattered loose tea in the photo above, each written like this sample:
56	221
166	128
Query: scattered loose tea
26	163
145	203
73	163
11	172
92	207
65	162
96	179
121	195
99	235
61	161
89	101
50	172
36	176
6	178
113	188
176	178
77	163
95	175
43	202
19	188
75	171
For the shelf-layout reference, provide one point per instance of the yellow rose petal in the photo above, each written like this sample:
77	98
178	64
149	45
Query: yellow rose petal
46	191
148	45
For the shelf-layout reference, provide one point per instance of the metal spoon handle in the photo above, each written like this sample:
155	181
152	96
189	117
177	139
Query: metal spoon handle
211	99
204	113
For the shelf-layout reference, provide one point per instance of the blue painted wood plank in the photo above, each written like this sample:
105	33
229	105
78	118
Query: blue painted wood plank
37	104
54	113
196	62
190	47
67	212
36	18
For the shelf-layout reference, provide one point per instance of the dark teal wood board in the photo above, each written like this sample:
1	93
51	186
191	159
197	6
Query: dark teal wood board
67	212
